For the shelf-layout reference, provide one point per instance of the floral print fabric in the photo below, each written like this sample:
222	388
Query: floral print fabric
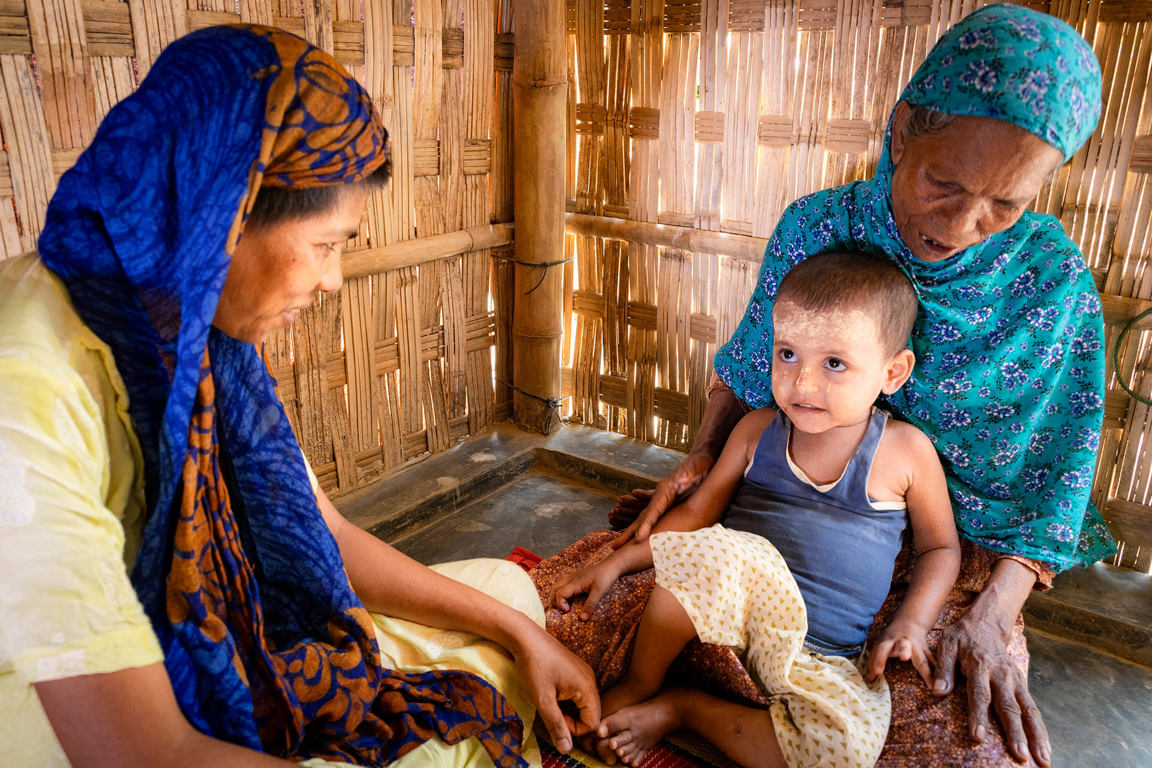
1014	64
1009	342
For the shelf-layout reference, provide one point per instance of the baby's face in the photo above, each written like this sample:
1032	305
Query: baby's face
827	367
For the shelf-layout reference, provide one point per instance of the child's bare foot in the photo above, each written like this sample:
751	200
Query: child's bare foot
633	730
624	694
594	746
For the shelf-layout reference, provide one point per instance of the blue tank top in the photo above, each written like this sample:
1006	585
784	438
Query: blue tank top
840	547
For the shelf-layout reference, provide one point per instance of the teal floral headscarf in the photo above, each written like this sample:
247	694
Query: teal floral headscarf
1018	65
1009	379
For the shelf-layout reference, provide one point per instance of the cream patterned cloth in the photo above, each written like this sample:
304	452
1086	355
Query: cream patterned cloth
71	501
738	591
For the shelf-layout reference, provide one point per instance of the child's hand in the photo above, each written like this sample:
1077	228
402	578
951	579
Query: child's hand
595	580
905	641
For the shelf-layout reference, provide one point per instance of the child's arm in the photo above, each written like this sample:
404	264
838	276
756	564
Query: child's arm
937	559
703	508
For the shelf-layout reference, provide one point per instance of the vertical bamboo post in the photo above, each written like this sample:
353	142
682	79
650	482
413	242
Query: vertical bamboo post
539	104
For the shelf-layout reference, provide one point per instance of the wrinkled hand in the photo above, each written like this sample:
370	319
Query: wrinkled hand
629	506
551	674
593	580
994	681
904	641
681	483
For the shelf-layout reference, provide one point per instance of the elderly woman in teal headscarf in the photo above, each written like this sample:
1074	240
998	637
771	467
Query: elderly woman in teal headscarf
177	590
1009	378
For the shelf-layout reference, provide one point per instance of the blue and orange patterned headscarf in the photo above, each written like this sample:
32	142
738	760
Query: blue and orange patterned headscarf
264	641
1009	378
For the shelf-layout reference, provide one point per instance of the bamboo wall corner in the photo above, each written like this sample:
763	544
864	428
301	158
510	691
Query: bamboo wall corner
405	360
691	125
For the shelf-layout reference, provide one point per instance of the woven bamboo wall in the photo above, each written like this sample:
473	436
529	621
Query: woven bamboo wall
693	123
402	363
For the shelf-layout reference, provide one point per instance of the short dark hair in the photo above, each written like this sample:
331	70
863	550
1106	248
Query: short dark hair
923	121
275	205
866	281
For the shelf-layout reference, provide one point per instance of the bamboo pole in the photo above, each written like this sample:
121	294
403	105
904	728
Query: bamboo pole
539	104
742	247
424	250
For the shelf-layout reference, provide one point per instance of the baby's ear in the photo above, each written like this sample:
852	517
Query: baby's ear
898	370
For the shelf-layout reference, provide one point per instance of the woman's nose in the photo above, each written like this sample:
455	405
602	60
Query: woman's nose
332	276
963	222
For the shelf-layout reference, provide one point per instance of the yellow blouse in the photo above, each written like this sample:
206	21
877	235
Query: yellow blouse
71	483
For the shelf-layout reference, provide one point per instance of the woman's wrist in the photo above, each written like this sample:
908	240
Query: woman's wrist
1004	594
516	633
721	413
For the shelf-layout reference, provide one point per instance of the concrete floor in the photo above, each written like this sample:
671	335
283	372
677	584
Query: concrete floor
505	489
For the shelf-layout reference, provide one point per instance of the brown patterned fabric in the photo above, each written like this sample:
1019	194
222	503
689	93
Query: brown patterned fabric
926	730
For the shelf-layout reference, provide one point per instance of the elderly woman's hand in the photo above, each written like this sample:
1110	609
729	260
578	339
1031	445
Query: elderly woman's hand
648	506
978	644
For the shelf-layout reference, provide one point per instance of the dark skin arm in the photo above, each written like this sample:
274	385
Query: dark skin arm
699	510
392	584
130	718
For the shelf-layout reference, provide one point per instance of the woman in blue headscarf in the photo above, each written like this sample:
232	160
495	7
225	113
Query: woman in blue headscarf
1009	378
141	428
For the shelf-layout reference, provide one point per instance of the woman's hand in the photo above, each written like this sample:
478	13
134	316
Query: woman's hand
978	645
902	640
551	674
681	483
643	508
593	580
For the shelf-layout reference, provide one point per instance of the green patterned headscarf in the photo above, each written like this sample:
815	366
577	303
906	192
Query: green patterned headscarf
1009	378
1018	65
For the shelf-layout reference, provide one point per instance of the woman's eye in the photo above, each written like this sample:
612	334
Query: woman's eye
945	185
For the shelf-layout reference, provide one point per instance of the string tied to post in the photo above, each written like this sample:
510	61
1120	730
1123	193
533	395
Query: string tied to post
542	265
553	403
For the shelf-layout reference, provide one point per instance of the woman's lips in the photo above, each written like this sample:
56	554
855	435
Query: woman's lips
936	248
288	315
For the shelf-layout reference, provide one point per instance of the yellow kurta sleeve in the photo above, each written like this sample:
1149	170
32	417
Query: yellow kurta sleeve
70	482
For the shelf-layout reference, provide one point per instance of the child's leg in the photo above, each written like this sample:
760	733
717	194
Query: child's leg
746	735
663	632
